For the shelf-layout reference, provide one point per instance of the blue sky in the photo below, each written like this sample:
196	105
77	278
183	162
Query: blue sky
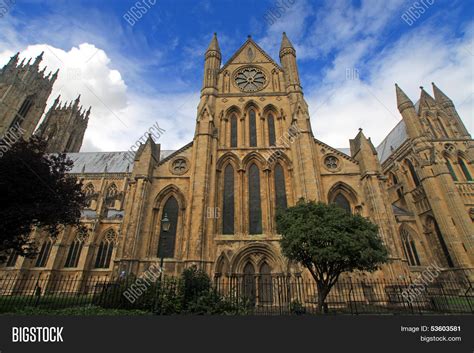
350	54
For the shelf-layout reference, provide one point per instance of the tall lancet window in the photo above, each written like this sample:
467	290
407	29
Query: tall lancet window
280	189
233	131
255	205
271	130
464	169
168	236
228	201
252	128
413	173
451	170
22	112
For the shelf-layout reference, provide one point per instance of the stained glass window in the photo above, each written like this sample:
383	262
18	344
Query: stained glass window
255	208
228	201
168	238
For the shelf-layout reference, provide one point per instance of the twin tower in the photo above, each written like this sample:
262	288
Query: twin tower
24	91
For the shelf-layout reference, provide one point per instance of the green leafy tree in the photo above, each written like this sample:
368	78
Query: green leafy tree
328	241
35	191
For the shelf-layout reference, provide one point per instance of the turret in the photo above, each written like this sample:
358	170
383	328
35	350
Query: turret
288	61
212	64
408	112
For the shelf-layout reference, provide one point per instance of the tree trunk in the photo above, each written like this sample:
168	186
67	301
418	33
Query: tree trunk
322	294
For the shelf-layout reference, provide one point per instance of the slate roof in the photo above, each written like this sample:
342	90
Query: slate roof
394	139
96	162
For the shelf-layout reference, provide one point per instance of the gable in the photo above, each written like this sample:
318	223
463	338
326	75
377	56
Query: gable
250	53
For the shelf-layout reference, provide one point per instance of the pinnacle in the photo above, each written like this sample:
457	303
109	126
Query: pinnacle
214	45
402	98
285	42
439	95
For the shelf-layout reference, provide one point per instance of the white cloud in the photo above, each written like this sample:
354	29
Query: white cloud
119	116
418	58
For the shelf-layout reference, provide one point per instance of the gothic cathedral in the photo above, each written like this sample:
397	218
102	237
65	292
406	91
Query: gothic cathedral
212	203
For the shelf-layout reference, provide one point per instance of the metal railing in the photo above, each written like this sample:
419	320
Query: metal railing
261	295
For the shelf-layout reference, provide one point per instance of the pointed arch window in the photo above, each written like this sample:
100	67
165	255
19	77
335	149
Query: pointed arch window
252	128
106	248
451	170
228	201
413	173
168	237
111	195
464	169
89	193
43	255
342	202
52	132
442	243
233	130
249	287
22	112
70	142
74	253
255	206
280	187
265	288
409	248
271	130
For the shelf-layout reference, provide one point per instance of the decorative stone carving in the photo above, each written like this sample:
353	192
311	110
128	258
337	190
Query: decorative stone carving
332	163
179	165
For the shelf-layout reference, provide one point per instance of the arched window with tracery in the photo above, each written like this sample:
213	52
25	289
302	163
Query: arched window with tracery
43	255
167	239
111	195
271	130
342	201
105	250
464	169
233	130
409	248
254	201
436	232
413	173
252	128
89	193
74	252
451	170
280	187
228	201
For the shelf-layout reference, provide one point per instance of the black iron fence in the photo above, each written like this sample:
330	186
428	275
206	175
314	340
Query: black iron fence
264	295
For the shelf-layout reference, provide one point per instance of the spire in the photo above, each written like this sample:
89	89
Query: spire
88	112
14	60
440	97
38	58
214	45
54	77
402	99
56	101
285	43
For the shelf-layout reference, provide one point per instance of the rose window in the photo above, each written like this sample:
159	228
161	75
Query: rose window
250	79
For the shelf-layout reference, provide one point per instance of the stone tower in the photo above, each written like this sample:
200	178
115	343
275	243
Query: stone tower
64	126
439	184
24	91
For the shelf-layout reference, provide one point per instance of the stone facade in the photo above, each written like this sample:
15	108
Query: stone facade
212	203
